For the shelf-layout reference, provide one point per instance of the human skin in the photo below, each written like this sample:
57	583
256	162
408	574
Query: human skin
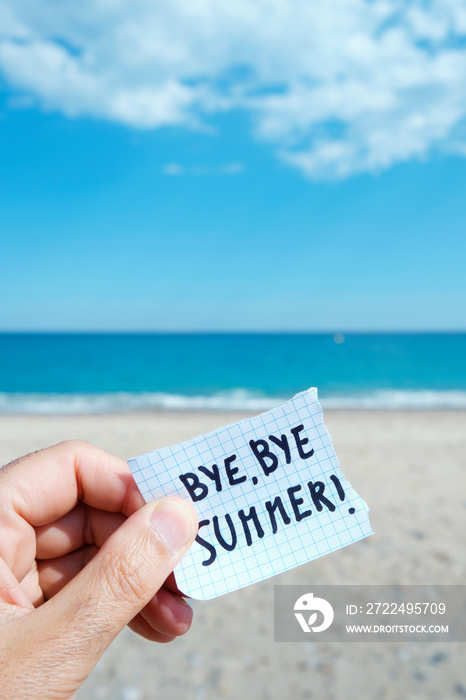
81	556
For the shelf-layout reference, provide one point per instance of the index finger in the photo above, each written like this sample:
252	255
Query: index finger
46	485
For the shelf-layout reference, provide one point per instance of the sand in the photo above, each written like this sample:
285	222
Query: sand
408	466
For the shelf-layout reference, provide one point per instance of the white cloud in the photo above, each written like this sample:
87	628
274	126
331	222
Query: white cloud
173	169
231	169
226	169
336	87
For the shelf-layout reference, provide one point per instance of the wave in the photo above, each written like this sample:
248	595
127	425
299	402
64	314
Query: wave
391	399
121	402
234	400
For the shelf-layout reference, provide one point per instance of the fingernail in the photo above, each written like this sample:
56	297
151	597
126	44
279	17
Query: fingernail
174	524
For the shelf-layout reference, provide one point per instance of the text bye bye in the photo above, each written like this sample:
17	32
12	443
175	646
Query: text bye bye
269	453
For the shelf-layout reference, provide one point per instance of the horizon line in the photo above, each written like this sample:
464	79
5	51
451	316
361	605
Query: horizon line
422	331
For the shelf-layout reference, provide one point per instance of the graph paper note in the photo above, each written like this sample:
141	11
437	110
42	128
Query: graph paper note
269	494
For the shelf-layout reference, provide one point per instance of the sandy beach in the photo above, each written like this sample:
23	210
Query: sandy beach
408	466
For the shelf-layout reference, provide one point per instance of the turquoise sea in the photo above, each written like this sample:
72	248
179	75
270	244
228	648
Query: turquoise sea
80	373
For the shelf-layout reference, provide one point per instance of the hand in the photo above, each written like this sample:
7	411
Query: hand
81	556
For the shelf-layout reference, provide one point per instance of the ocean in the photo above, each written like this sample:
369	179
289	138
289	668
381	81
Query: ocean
94	373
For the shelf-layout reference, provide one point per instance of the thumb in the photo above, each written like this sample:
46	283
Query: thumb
123	576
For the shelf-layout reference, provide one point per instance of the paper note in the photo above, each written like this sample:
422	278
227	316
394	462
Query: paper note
269	495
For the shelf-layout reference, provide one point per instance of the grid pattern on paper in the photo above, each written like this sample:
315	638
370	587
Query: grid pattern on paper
157	473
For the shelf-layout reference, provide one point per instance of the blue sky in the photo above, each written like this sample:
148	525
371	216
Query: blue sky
233	194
